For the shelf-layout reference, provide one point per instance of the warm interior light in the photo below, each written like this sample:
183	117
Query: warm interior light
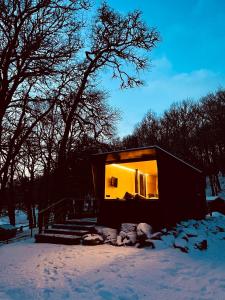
133	179
122	167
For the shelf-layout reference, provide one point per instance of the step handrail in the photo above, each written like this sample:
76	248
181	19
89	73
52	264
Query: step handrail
41	213
53	204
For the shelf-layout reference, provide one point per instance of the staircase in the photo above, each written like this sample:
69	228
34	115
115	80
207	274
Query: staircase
69	233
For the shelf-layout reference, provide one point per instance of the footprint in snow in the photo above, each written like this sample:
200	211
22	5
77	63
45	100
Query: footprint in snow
114	269
106	295
53	278
80	290
99	284
47	293
212	280
46	271
164	260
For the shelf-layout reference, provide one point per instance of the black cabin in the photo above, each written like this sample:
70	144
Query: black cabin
147	185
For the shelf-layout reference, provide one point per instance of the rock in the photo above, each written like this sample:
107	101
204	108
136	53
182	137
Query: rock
181	244
132	237
92	239
196	225
202	245
127	242
149	243
128	234
175	233
128	227
119	241
220	229
99	229
183	235
184	223
164	230
156	236
144	229
221	235
168	239
109	235
146	243
191	232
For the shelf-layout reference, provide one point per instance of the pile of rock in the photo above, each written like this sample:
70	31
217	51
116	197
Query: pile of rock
129	235
185	236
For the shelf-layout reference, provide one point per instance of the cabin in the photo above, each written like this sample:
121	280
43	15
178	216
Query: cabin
146	185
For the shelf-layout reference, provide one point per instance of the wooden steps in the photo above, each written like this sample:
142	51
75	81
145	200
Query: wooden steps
85	221
70	232
73	227
66	231
57	239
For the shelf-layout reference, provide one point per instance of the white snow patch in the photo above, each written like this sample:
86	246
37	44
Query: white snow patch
60	272
21	219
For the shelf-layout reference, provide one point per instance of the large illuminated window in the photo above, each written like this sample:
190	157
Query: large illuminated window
135	180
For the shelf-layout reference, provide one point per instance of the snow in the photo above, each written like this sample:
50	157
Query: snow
59	272
211	198
7	227
21	219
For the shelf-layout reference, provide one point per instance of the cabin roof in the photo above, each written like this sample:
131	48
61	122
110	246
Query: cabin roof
137	153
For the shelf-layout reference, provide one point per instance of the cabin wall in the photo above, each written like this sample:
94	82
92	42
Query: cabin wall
181	196
181	190
113	212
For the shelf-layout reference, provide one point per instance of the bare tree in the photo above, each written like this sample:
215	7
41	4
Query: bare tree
115	41
37	38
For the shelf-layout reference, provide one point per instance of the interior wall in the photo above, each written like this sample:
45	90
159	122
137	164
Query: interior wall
125	174
152	185
126	182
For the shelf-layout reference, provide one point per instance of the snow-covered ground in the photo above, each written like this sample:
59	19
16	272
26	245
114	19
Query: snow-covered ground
58	272
21	219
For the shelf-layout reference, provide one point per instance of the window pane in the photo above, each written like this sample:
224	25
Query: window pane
131	180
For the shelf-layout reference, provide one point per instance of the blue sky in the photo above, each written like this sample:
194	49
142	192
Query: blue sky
189	61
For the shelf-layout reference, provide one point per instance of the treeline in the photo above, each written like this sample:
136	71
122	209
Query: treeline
194	131
52	106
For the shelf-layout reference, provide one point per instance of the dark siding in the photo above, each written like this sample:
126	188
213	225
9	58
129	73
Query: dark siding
178	185
181	194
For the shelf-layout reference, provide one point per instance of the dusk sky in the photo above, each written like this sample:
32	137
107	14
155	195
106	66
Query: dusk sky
189	61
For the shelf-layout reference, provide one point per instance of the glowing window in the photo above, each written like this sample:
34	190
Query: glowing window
135	180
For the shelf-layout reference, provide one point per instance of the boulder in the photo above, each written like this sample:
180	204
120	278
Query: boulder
201	245
119	241
191	232
92	239
182	235
145	243
181	244
128	227
127	235
156	236
109	235
144	230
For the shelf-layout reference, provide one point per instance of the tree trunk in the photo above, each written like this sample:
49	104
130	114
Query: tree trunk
212	185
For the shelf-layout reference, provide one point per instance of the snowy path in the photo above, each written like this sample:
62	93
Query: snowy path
45	271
